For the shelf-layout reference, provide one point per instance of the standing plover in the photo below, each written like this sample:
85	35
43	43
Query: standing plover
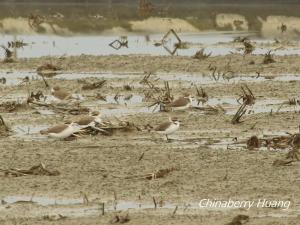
181	103
61	131
167	128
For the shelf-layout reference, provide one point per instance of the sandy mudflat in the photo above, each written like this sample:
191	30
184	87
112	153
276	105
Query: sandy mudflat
208	162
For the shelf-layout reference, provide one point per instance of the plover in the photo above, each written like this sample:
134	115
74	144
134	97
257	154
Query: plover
61	131
88	120
167	128
181	103
60	94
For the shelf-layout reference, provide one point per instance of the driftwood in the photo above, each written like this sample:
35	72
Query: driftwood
39	169
109	128
63	109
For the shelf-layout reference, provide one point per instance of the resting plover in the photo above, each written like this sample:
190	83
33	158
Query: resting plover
167	128
60	94
88	120
61	131
181	103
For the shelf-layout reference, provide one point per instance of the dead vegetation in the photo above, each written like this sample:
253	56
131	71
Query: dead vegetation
253	143
201	96
2	80
38	170
120	219
72	109
225	73
201	55
177	45
109	127
13	106
268	58
248	47
239	220
119	43
35	20
16	44
161	173
289	141
3	127
8	55
94	85
48	70
248	99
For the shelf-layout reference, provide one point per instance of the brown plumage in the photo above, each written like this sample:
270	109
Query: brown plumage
163	126
182	101
56	129
60	94
85	120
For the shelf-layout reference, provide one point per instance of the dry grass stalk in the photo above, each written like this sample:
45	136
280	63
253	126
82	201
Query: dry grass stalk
268	58
117	44
39	169
8	55
16	44
248	47
201	55
202	96
248	100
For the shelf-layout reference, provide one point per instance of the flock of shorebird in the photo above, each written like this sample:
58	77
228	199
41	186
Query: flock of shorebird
71	127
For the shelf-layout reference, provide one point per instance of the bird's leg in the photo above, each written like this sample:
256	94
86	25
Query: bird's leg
167	137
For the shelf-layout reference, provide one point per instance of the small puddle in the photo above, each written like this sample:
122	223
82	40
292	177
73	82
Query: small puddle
28	131
76	207
106	75
123	99
16	78
206	79
128	111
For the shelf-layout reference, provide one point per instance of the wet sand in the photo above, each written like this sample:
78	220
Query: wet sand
209	161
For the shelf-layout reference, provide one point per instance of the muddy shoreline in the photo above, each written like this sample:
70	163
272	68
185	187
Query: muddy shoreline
250	64
205	151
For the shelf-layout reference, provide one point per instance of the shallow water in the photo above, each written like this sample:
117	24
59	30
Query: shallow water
47	45
16	78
